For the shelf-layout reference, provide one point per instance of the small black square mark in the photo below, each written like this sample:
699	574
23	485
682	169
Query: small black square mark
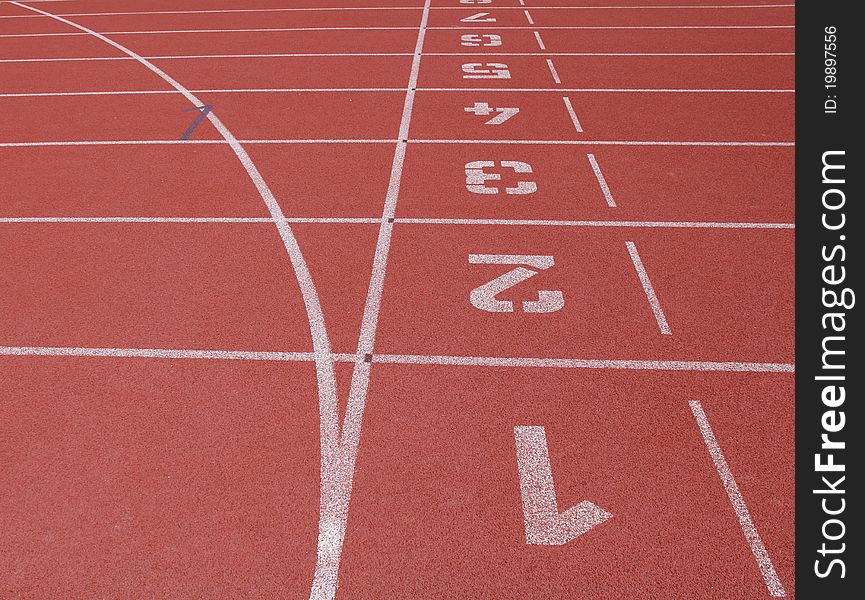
367	358
391	220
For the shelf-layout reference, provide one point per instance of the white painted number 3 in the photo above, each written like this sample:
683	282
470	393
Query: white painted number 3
484	297
486	71
476	177
481	39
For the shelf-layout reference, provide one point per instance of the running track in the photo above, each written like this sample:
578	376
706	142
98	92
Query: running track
396	299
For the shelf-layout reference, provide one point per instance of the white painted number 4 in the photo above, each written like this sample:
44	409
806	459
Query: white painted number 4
482	109
481	17
484	296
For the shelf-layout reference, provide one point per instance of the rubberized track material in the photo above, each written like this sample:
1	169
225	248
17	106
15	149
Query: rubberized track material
396	299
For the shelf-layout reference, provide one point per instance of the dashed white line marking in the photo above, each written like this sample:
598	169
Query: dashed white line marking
539	40
601	181
390	141
553	71
648	289
529	17
764	562
573	114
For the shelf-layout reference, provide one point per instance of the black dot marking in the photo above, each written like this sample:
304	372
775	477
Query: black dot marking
367	358
391	220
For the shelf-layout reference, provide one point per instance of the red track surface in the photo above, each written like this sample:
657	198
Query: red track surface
168	425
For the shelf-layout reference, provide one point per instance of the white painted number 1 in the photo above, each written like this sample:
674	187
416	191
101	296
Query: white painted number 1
484	296
482	109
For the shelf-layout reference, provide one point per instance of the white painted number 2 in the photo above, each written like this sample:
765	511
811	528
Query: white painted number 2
476	1
484	296
486	71
482	109
481	39
476	177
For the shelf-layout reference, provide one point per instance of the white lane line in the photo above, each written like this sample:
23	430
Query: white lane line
516	27
553	71
185	220
336	90
353	54
324	366
529	17
541	42
578	363
408	359
569	223
606	142
180	142
648	289
389	141
410	221
601	181
764	562
338	462
521	2
573	114
202	56
156	353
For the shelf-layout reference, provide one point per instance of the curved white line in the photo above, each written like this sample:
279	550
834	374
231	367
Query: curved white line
324	369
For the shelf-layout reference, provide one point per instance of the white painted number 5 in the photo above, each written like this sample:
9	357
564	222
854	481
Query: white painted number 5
486	71
484	296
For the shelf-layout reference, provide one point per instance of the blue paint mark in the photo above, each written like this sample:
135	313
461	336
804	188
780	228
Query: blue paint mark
203	110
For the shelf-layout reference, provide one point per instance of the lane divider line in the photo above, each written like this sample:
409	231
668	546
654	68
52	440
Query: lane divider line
410	221
515	27
407	359
553	71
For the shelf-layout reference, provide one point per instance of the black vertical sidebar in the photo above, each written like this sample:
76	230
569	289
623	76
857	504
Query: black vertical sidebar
829	230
